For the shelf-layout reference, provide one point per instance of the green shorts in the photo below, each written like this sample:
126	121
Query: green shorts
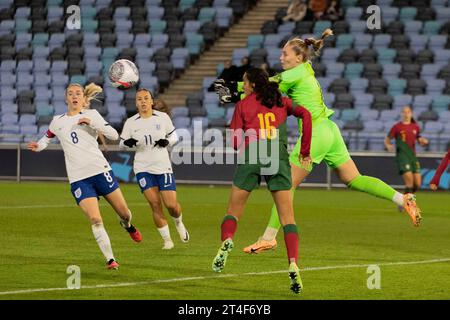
407	163
326	144
248	177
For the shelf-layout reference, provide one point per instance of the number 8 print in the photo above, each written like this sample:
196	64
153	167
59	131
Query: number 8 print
74	136
108	177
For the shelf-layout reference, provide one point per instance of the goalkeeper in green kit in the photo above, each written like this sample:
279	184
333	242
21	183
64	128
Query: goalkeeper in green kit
298	82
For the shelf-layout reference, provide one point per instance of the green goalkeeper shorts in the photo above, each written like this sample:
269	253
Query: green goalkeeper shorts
326	144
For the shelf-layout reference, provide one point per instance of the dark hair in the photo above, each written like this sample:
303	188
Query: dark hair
412	111
162	106
267	92
145	89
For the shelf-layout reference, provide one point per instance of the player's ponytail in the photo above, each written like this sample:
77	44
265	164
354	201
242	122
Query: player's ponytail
302	47
267	92
91	91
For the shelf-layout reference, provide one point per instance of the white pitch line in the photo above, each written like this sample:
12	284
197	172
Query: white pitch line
140	283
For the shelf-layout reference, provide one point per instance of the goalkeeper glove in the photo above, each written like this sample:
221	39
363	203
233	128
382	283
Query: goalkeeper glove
130	143
162	143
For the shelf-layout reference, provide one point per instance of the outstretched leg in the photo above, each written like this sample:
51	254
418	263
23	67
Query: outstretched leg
268	240
117	201
236	205
349	174
90	208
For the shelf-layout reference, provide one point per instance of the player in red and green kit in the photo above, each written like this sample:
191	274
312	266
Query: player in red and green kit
434	183
259	133
298	82
406	133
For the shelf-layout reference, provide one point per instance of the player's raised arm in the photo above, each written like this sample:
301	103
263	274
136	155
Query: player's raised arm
96	121
171	134
391	135
237	126
302	113
42	143
439	171
126	140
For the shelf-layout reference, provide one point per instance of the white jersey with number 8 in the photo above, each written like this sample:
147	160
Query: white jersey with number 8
79	142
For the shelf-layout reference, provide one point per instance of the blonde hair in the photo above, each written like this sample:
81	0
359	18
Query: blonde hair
90	92
301	47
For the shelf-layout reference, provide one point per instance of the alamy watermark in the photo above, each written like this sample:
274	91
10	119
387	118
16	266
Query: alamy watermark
374	280
74	280
213	146
74	19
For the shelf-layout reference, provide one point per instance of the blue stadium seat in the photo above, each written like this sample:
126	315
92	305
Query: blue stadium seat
254	41
23	40
368	115
122	13
443	14
206	14
362	41
402	100
407	13
179	112
358	27
224	17
429	71
431	27
90	38
421	101
435	87
159	40
396	87
389	14
413	27
363	100
192	26
184	4
441	102
27	119
157	26
54	13
354	70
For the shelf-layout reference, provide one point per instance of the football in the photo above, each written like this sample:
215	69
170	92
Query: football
123	74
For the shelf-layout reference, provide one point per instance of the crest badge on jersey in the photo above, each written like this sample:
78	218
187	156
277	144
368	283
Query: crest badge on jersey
142	182
158	127
77	193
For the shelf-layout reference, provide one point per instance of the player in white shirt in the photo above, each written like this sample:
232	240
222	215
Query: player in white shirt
149	133
89	173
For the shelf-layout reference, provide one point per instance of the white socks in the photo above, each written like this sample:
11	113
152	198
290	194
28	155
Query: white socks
165	234
270	234
184	235
102	239
398	199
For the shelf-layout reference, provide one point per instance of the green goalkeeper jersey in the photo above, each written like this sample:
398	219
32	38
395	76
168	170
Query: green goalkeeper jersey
301	85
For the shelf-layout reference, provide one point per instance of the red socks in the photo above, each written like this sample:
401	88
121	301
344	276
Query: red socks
291	240
228	227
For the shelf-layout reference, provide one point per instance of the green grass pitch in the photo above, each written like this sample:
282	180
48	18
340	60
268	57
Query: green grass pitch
43	232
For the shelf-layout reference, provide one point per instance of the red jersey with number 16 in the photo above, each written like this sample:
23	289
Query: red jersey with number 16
268	123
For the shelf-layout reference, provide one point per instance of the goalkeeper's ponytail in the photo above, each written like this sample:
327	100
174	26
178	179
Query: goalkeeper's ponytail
302	47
